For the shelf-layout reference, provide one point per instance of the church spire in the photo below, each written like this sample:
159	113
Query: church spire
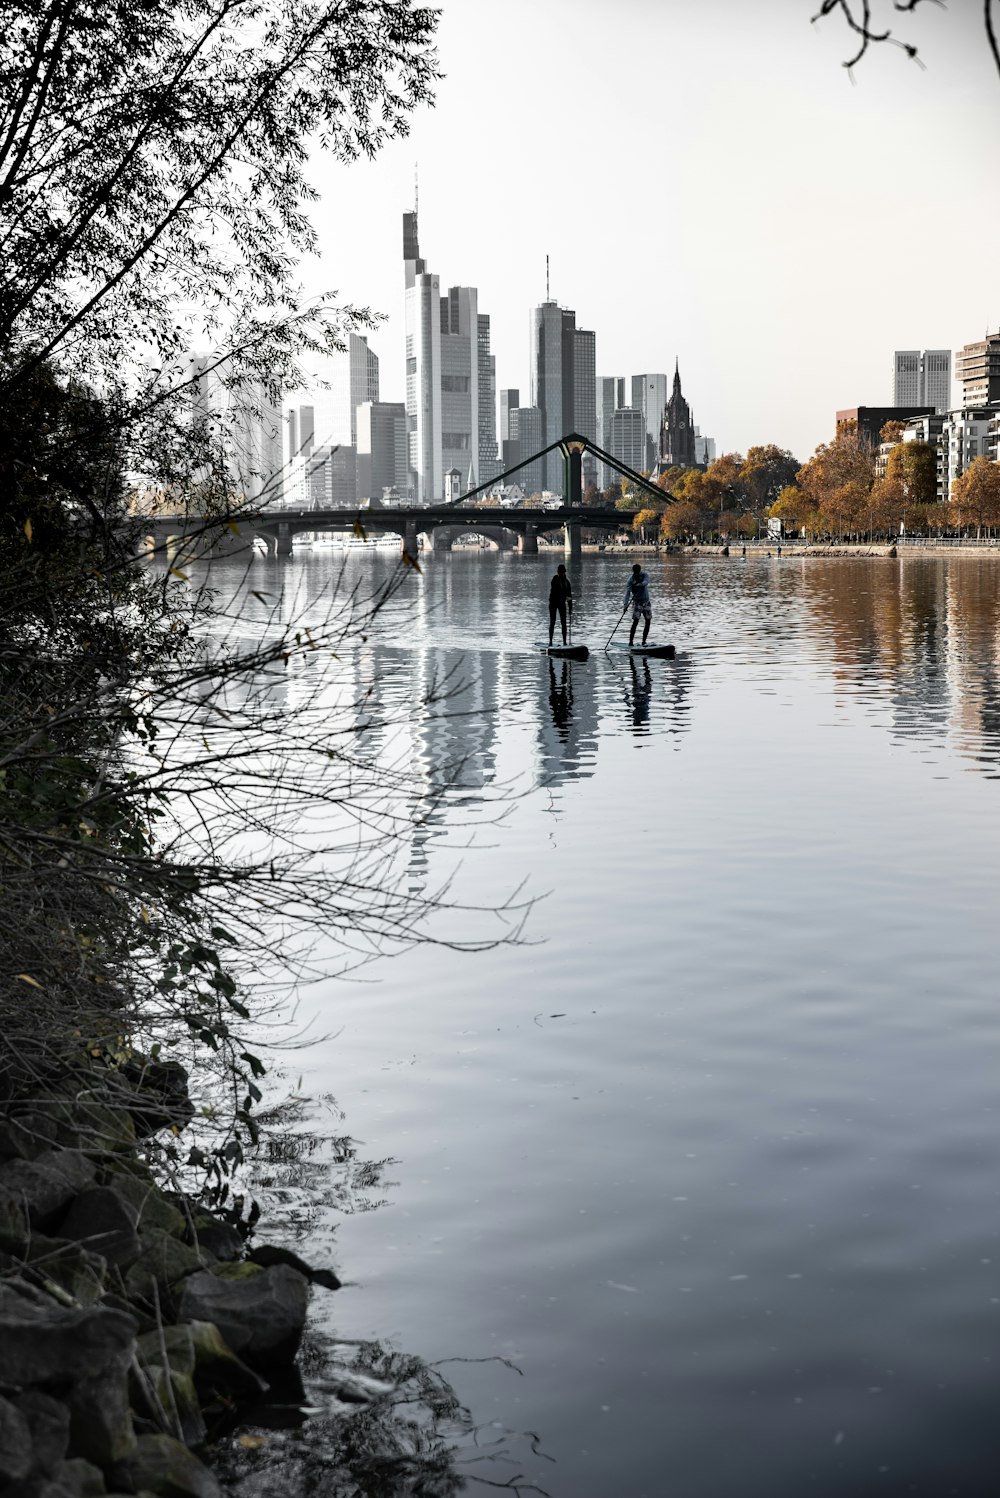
677	375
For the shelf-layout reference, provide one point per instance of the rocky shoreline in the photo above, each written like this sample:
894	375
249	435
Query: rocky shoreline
135	1326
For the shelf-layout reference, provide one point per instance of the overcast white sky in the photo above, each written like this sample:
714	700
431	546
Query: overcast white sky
708	183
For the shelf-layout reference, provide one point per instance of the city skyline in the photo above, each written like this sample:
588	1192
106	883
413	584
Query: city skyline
778	246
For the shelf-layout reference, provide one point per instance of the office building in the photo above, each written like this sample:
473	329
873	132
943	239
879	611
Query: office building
869	420
243	421
704	449
922	378
381	448
489	465
930	429
977	367
628	439
333	477
509	401
450	405
529	424
610	390
649	395
353	380
563	380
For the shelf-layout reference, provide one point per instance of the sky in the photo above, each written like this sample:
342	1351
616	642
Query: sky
710	185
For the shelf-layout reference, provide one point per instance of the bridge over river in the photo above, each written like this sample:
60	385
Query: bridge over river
508	526
442	524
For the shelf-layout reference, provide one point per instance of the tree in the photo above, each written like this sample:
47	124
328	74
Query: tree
913	466
975	496
793	505
644	520
682	519
764	473
837	480
892	432
860	18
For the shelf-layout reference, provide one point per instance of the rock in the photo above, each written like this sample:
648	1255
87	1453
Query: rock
272	1253
163	1466
48	1344
217	1237
74	1270
173	1342
100	1219
13	1219
15	1444
163	1262
100	1415
160	1099
167	1394
261	1318
217	1370
103	1127
48	1422
27	1136
48	1183
242	1269
80	1478
151	1209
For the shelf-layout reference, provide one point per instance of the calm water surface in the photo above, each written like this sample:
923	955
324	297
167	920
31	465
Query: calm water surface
714	1156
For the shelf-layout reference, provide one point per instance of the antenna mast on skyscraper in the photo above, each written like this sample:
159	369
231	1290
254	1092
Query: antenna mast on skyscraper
416	190
546	278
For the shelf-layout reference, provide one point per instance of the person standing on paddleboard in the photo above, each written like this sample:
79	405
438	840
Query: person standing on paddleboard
560	599
637	593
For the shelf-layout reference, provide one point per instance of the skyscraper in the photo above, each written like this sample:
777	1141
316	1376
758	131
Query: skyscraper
627	438
610	395
563	381
922	378
353	380
381	448
450	406
245	422
649	395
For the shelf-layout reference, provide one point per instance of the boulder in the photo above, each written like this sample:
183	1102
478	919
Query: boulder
163	1466
160	1094
48	1183
48	1422
50	1344
79	1478
100	1414
163	1262
273	1253
261	1318
72	1269
13	1219
166	1394
102	1125
217	1369
104	1222
27	1136
142	1194
15	1444
221	1240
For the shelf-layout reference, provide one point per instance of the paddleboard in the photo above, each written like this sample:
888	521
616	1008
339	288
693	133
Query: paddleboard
665	652
567	652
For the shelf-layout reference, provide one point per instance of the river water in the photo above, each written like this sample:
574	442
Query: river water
713	1154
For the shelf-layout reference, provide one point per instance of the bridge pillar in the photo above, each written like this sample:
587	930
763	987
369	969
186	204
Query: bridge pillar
527	542
410	544
284	543
441	539
571	539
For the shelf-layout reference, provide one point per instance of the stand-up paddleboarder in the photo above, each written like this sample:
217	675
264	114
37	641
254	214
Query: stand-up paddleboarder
560	599
637	593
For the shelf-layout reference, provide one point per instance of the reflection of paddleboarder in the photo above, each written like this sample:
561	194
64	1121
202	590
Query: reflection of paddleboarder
561	698
637	593
641	693
560	599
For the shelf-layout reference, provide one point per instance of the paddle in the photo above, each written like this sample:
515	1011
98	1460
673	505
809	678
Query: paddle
615	630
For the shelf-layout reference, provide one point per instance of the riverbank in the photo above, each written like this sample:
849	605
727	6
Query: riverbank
136	1326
